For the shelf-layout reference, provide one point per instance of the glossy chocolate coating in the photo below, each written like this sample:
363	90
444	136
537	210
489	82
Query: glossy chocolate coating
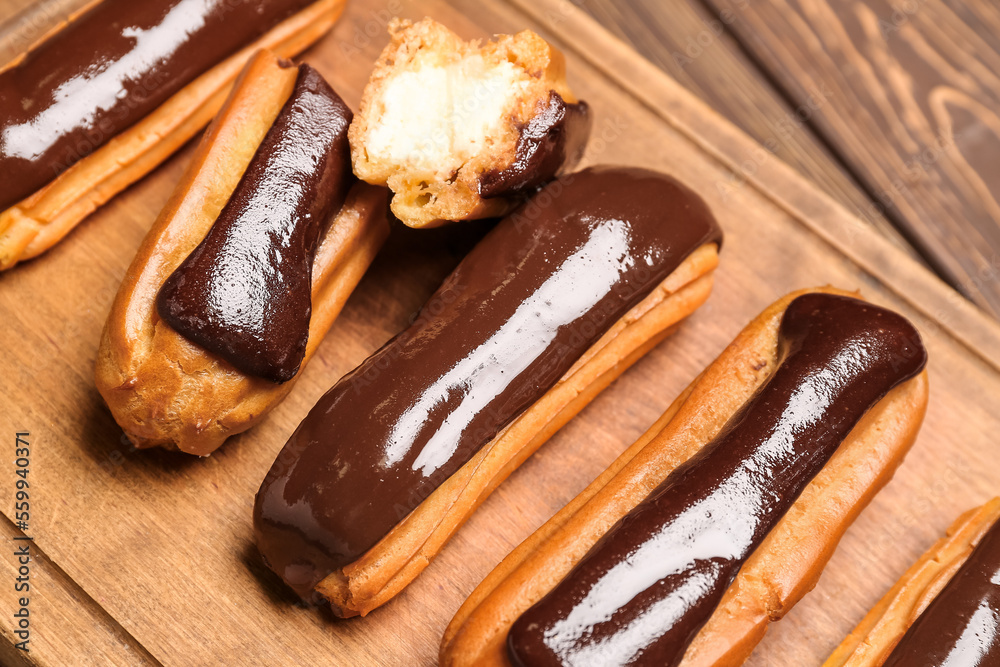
552	138
511	319
108	69
245	293
961	626
641	594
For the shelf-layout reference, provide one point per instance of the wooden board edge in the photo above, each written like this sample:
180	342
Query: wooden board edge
943	307
90	634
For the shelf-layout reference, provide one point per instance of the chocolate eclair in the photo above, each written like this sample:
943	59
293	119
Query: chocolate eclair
460	130
723	514
117	89
945	610
244	292
246	268
555	302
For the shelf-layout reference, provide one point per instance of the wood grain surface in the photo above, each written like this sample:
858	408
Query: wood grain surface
24	23
696	47
155	548
63	617
915	87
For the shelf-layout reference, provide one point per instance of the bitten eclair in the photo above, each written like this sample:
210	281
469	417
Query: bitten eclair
722	516
945	610
114	91
246	268
460	130
551	306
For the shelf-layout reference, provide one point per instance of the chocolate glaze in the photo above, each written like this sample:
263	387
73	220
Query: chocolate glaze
245	292
108	69
961	626
518	311
643	591
551	139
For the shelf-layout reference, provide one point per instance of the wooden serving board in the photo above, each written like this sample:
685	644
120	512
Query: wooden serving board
146	557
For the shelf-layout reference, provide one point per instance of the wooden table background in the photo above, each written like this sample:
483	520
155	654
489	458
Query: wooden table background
890	106
146	557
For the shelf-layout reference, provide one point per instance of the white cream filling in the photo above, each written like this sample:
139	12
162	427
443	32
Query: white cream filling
435	117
